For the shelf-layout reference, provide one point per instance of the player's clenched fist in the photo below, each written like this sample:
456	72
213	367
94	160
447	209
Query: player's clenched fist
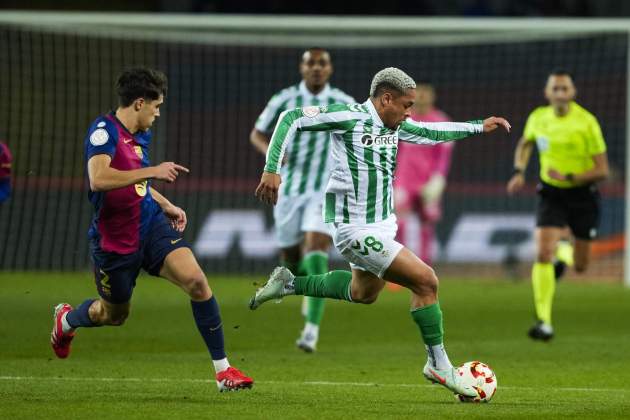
491	123
168	171
267	190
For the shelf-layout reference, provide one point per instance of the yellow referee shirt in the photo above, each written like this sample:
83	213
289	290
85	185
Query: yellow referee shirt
565	143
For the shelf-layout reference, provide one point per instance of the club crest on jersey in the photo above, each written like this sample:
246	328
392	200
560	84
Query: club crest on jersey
369	140
141	188
138	150
311	111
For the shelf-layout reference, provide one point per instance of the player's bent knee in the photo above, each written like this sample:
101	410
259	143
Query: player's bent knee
197	287
427	282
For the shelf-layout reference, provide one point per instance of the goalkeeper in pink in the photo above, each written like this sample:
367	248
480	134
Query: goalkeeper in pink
421	176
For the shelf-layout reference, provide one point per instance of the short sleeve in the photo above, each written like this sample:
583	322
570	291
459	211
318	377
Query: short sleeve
101	139
529	133
595	141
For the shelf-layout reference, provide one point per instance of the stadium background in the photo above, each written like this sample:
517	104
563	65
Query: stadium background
55	78
56	82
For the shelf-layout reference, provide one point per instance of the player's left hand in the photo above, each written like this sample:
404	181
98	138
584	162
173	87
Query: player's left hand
177	217
553	174
491	124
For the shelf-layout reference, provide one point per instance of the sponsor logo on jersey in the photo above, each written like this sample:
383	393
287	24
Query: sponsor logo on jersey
369	140
101	124
99	137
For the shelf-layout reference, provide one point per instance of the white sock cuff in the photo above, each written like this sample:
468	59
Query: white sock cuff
65	326
221	364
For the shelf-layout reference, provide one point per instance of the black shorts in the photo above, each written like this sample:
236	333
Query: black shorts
115	274
577	208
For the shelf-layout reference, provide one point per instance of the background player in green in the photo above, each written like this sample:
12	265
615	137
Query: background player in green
302	235
572	159
359	203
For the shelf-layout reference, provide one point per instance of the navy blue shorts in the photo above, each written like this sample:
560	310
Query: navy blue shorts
115	274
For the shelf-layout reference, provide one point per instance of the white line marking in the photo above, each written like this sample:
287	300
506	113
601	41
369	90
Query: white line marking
314	383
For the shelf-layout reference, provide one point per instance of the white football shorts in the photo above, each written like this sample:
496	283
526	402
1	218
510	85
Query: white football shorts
368	247
294	215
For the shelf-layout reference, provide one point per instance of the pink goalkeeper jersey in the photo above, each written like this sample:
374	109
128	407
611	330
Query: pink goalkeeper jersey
416	163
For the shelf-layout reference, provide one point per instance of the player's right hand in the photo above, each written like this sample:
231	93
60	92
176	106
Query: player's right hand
267	190
168	171
515	183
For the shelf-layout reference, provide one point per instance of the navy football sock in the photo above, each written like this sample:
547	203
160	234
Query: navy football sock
80	316
208	321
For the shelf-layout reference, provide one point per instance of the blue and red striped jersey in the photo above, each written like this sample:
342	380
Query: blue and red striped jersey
121	216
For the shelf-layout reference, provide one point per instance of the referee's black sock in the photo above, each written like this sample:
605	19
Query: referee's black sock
559	267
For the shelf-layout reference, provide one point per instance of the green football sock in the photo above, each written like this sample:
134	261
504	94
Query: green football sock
544	285
334	284
315	263
429	320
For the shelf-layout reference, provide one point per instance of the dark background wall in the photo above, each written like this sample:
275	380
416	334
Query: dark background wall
583	8
53	85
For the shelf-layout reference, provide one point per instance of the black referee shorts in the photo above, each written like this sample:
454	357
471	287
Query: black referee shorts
576	207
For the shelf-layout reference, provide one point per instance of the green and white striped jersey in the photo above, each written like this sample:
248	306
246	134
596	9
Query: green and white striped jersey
364	152
308	164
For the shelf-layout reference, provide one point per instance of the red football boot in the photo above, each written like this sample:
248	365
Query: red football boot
232	379
61	341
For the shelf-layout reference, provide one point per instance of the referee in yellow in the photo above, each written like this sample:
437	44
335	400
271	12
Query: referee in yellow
573	159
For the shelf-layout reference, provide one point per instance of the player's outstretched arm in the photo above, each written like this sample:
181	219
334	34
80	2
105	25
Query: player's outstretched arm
431	133
105	178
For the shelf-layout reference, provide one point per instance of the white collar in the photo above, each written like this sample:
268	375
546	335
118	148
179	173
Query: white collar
321	96
370	106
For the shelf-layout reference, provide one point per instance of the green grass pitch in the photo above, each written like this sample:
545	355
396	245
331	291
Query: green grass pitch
368	365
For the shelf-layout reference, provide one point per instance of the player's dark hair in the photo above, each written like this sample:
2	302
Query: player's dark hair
560	71
140	82
383	87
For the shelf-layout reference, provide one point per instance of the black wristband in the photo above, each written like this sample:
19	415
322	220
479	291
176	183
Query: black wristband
570	177
517	171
